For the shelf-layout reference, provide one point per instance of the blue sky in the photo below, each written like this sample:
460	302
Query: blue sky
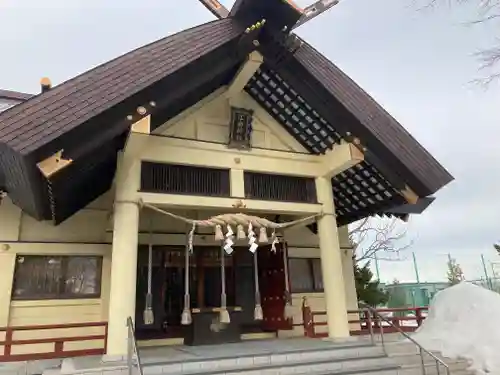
417	64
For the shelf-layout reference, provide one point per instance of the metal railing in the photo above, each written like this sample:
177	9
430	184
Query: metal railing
421	350
132	349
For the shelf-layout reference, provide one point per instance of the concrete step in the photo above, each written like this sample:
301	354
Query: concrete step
431	369
411	359
269	357
29	367
331	358
372	370
406	354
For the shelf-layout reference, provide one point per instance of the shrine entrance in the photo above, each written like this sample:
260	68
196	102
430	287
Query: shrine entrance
168	282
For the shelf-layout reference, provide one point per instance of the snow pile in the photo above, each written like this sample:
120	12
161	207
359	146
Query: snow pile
461	324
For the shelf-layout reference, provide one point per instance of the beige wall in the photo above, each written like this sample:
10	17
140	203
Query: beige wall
210	122
89	231
81	235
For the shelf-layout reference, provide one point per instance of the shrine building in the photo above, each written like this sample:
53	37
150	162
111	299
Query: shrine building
201	185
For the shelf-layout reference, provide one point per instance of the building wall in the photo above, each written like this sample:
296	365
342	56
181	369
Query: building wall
90	230
81	235
210	123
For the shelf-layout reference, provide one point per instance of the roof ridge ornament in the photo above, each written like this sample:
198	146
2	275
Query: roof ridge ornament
314	10
216	8
308	13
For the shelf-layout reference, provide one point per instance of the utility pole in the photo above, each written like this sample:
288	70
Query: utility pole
415	267
377	269
494	282
488	281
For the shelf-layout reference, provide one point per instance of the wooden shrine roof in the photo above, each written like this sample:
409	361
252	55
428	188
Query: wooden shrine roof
86	116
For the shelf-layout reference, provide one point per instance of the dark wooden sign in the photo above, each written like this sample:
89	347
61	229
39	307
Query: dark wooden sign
240	128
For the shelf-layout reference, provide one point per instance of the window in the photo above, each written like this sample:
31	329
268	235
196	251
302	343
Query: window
305	275
57	277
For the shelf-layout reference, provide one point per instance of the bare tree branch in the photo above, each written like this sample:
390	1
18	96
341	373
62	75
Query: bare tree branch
371	237
489	59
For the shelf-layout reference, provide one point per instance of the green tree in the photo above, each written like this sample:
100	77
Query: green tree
396	297
455	274
368	290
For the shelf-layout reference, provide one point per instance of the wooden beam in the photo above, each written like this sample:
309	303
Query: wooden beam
205	154
295	6
177	201
340	158
138	137
216	8
143	126
245	73
410	196
314	10
53	164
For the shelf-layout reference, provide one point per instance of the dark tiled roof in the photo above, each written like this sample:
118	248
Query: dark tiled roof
86	116
47	116
379	129
14	95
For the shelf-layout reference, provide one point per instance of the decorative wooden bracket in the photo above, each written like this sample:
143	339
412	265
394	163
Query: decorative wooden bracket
239	204
245	73
341	158
410	196
142	126
53	164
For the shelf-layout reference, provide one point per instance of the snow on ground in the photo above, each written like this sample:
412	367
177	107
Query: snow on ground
461	324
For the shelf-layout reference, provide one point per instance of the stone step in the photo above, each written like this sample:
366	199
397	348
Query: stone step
410	359
306	360
268	357
340	366
455	369
372	370
407	355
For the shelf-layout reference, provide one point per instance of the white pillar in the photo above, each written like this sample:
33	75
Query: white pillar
331	263
124	256
349	280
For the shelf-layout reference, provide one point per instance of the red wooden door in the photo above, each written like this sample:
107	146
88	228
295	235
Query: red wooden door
272	287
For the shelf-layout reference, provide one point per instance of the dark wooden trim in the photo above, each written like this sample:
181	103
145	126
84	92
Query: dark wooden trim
8	341
49	340
184	180
279	188
57	298
58	351
60	295
41	356
365	320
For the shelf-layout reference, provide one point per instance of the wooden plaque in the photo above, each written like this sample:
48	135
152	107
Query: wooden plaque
240	128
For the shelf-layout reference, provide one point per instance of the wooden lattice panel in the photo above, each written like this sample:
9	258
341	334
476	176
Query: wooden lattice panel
290	109
183	179
361	191
280	188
